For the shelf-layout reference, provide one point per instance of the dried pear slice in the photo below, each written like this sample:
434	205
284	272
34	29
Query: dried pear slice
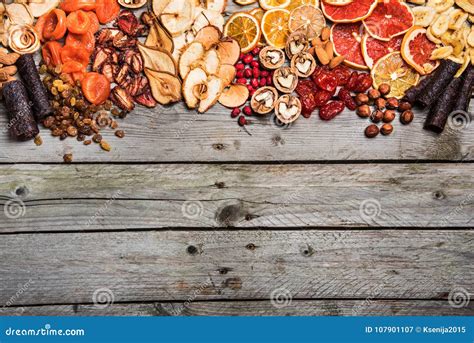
192	53
213	91
165	87
208	36
159	37
194	87
157	59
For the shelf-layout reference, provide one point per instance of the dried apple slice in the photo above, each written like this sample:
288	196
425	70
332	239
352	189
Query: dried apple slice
228	51
204	17
194	86
227	74
234	96
177	17
40	7
208	36
157	59
159	5
181	42
216	5
210	62
192	53
165	87
213	91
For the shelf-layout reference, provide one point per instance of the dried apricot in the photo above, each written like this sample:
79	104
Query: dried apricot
78	22
72	66
96	88
55	25
74	5
51	53
69	53
39	26
81	41
94	22
107	10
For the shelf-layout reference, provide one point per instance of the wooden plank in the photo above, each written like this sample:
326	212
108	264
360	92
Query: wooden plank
369	307
174	134
111	197
76	268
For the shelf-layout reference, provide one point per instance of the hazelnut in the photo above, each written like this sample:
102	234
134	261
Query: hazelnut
404	106
407	117
363	111
376	116
388	116
361	99
380	103
386	129
384	89
373	94
371	131
392	103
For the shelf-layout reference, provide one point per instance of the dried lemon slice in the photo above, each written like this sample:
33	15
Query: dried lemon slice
393	70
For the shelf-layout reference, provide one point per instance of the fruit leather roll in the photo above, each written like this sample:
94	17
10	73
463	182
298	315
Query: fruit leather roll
414	92
441	79
438	116
464	97
36	90
21	121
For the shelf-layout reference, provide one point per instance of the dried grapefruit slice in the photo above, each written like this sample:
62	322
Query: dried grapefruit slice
307	19
355	11
245	29
390	18
417	49
275	27
393	70
374	49
346	39
338	2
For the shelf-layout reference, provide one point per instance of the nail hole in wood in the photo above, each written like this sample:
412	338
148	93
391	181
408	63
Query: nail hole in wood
219	184
21	191
439	195
250	246
192	250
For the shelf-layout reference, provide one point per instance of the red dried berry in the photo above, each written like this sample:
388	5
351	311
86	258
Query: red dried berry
345	96
235	112
352	83
331	110
256	72
321	97
364	82
262	82
264	73
256	51
247	59
242	81
326	81
239	74
248	73
254	83
242	121
247	111
255	64
240	66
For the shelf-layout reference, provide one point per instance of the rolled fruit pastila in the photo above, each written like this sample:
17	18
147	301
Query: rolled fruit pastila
36	90
22	124
442	77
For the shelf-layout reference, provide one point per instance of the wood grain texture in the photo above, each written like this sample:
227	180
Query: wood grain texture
369	307
111	197
174	134
201	265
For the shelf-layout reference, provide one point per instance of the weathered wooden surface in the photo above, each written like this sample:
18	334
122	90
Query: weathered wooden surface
367	307
200	265
174	134
111	197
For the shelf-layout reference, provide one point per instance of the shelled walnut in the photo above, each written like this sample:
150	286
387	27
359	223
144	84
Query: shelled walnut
297	43
285	79
288	108
264	99
303	64
272	58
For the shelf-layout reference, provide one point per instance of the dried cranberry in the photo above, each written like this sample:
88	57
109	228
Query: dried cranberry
242	121
262	82
264	73
256	72
352	83
242	81
247	59
255	51
343	74
248	73
345	96
321	97
254	83
331	109
364	82
326	81
235	112
247	110
240	66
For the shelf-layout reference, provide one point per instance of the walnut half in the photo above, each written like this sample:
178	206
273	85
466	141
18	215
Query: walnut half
264	99
285	79
297	43
272	58
288	108
303	64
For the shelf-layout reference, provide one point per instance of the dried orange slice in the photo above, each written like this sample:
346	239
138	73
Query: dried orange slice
393	70
273	4
245	29
275	27
417	49
307	19
258	14
297	3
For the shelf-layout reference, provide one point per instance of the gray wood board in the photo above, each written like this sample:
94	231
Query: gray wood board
57	268
367	307
175	134
113	197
